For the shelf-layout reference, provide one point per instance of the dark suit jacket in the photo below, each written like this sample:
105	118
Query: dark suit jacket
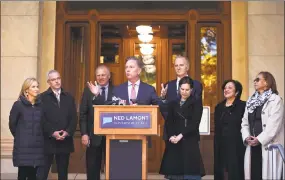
172	95
58	117
87	114
146	94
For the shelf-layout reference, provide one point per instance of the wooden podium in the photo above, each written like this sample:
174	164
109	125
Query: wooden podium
126	129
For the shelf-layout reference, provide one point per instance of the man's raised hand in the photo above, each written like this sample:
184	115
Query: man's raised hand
93	88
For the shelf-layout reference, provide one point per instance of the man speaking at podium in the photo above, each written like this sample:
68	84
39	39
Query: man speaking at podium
134	91
96	94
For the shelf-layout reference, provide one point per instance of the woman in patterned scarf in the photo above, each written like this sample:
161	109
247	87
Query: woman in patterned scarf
263	124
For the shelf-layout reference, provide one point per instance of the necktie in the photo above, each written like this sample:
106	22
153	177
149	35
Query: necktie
57	95
103	93
133	93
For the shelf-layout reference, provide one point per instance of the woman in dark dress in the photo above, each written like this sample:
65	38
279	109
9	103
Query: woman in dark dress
182	158
228	146
25	123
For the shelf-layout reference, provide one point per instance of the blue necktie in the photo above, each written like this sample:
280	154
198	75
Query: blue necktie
103	93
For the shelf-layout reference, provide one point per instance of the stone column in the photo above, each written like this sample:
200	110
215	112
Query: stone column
266	41
47	28
239	14
19	56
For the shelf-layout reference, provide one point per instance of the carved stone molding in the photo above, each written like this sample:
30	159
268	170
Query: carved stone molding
6	148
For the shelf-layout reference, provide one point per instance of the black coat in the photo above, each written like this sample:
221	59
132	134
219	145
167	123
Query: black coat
183	158
56	118
235	147
87	114
25	124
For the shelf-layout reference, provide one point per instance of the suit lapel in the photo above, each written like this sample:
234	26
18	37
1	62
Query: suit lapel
110	93
175	86
140	91
126	94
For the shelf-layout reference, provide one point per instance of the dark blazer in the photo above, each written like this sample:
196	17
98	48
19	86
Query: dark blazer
235	146
56	118
183	158
87	114
172	95
25	124
146	94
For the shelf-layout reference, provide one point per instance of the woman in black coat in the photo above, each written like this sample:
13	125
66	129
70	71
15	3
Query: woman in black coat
228	146
26	127
182	158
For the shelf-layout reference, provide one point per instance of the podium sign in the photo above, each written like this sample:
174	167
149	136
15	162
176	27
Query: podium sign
125	120
122	120
126	128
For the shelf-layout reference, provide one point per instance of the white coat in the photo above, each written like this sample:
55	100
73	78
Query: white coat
272	118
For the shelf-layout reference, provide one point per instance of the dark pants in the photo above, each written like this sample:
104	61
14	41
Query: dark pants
62	161
256	162
27	173
94	156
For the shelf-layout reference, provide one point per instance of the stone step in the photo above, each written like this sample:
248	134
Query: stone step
72	176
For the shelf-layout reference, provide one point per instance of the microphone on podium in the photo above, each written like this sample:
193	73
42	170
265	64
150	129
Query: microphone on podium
134	101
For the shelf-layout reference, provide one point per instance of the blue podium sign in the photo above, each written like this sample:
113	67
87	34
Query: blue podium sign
125	120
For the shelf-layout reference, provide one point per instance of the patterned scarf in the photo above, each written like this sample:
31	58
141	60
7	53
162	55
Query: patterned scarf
257	100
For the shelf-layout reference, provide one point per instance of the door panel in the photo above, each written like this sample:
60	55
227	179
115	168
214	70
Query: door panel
111	55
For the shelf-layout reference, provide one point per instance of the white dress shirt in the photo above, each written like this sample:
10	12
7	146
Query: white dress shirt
137	84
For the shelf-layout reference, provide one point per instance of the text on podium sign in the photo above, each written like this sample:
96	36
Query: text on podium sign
125	120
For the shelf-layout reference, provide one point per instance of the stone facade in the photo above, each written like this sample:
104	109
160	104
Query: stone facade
28	41
266	41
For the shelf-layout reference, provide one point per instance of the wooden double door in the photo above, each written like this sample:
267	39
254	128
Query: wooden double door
90	37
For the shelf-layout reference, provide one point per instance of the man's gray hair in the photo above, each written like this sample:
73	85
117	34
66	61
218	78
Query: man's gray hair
50	72
102	66
139	62
185	58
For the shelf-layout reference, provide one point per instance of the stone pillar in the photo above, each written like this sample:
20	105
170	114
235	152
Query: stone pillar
266	41
47	27
239	14
19	56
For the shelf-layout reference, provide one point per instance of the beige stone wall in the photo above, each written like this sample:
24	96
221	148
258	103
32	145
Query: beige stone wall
19	45
19	57
266	41
239	10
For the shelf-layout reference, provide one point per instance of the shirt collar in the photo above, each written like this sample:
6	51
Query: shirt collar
56	92
136	83
178	78
106	87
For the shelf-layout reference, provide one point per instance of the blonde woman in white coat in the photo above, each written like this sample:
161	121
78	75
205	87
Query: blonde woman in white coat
263	124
